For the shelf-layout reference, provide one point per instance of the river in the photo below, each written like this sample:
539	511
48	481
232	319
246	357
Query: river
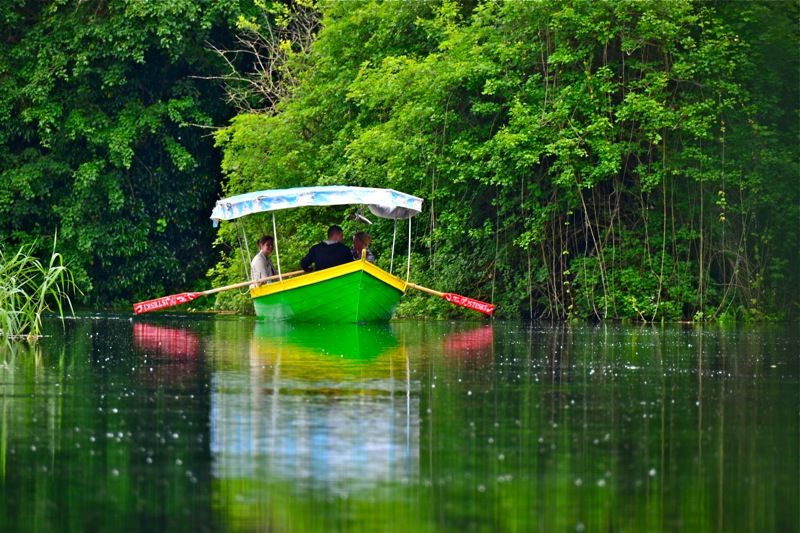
187	423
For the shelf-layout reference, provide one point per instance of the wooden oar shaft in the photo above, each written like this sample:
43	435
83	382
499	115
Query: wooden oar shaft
246	283
424	289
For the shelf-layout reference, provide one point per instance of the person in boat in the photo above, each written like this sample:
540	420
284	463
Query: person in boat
261	265
328	253
361	241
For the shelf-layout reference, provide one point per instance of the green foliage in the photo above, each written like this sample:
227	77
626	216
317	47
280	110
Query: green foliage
625	160
103	137
584	160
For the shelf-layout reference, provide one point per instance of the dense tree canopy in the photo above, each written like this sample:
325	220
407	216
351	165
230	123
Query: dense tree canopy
105	137
578	159
602	160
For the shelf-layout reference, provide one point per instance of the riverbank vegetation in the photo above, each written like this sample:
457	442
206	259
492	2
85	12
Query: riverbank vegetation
105	137
30	288
578	160
587	160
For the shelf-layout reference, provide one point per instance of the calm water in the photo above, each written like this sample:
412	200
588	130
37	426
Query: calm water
225	424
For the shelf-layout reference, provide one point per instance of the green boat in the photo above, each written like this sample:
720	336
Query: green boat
354	292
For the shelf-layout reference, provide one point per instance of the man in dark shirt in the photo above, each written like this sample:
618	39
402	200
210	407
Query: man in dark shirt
328	253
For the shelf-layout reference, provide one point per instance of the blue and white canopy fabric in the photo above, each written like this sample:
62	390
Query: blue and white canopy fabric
385	203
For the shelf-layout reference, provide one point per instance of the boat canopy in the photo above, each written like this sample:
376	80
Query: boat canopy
384	203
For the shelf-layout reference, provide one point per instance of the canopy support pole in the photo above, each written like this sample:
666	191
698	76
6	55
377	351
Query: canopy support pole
277	254
246	248
394	238
408	262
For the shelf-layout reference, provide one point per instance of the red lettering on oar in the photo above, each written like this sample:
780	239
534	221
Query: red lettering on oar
164	301
469	303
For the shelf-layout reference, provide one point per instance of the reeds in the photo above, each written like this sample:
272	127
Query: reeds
28	289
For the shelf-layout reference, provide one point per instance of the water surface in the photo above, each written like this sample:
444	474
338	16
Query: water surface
228	424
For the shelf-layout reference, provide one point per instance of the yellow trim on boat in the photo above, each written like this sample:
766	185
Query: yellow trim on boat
330	273
383	276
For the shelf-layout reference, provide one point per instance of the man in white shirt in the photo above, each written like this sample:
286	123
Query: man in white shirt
261	265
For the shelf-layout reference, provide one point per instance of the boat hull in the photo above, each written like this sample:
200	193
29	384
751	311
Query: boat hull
350	293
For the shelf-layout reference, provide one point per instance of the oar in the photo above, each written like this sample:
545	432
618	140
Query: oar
457	299
186	297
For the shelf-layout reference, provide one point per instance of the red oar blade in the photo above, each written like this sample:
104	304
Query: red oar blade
164	301
469	303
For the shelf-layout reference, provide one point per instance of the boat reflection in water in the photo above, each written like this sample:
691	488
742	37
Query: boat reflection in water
319	406
172	355
473	343
166	341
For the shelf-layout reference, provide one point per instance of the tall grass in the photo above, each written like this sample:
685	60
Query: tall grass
28	289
